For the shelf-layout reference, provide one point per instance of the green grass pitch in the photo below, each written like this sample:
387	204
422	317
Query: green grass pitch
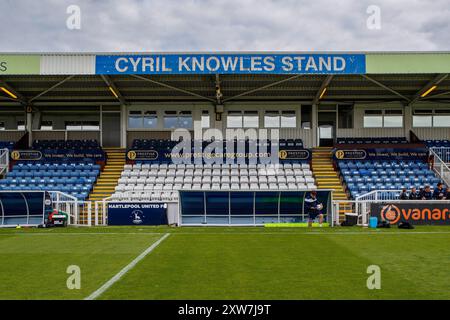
226	263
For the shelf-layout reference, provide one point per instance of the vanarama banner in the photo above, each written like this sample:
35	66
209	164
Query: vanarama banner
231	64
423	213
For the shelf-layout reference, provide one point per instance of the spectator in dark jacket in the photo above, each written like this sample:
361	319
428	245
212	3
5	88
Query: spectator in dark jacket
427	194
439	193
404	195
413	194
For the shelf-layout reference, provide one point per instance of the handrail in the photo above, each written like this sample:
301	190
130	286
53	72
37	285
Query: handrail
440	167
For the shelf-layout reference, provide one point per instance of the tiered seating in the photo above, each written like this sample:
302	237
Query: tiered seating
66	144
362	177
161	181
7	145
400	140
72	178
437	143
167	145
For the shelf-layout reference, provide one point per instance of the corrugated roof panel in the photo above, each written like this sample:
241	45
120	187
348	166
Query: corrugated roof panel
67	64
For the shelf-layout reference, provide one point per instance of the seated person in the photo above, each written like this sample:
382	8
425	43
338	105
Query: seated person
439	193
404	195
414	194
426	193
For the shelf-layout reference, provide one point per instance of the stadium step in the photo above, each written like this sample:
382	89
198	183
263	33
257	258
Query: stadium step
107	181
326	175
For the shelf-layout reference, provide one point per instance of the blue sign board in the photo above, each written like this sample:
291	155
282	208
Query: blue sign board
137	214
231	64
382	154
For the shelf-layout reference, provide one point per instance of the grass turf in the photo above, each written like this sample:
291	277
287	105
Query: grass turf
227	263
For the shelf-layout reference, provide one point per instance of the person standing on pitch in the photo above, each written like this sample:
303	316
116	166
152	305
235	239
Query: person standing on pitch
313	208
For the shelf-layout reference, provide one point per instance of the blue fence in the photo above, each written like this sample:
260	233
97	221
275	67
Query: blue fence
247	207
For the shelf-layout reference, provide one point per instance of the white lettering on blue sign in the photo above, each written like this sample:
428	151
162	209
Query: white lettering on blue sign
232	64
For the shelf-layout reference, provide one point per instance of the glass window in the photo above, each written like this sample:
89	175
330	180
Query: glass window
135	120
73	125
2	125
185	120
373	122
46	125
21	125
170	119
150	120
234	119
441	121
373	119
205	119
422	121
393	121
90	125
271	119
288	119
251	119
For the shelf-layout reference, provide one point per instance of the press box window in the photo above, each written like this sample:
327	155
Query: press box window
185	119
46	125
234	119
373	119
21	125
288	119
423	118
90	126
441	118
205	119
272	119
2	125
150	120
135	120
393	119
251	119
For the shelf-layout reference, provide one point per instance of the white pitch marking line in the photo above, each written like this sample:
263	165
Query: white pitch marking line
122	272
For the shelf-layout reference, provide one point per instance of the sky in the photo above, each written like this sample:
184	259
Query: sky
224	25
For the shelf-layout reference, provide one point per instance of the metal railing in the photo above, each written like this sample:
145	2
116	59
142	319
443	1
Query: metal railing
443	153
4	161
439	165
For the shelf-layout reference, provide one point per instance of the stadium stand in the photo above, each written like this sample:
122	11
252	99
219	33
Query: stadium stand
437	143
160	179
73	176
385	140
361	177
7	145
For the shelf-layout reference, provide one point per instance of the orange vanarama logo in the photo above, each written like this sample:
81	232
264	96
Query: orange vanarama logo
394	214
391	213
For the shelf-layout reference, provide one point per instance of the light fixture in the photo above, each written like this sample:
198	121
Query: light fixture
428	91
323	93
113	92
8	92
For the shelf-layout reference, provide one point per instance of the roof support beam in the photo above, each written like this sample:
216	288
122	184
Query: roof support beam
436	95
386	87
20	97
263	87
51	88
434	82
323	86
173	88
112	87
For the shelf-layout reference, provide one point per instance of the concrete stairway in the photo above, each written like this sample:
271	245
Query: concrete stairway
325	174
107	181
